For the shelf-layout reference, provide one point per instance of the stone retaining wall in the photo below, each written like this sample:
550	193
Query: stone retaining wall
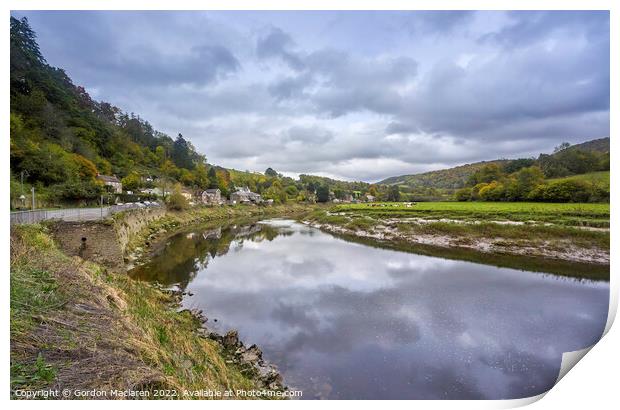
104	242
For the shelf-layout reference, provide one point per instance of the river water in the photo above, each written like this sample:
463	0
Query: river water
344	320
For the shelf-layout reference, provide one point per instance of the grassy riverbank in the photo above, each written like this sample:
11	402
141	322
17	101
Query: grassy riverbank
76	326
570	232
565	214
173	221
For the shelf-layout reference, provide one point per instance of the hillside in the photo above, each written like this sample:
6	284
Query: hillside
601	178
598	145
553	165
61	138
450	178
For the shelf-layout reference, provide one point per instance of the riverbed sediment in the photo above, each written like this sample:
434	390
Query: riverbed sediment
527	238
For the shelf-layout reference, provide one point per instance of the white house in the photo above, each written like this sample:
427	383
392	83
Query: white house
211	197
111	181
245	196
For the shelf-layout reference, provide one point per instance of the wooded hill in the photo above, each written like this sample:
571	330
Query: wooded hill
451	178
567	160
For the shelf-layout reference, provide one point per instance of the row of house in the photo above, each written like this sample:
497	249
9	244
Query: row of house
214	196
207	197
351	199
241	196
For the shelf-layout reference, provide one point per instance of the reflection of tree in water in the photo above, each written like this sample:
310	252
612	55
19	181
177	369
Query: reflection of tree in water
188	253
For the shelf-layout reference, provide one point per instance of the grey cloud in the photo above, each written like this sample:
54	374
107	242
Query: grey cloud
511	88
310	135
201	65
276	43
109	51
433	89
527	27
342	83
440	22
291	87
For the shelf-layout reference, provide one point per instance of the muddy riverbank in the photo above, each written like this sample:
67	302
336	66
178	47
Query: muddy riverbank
543	240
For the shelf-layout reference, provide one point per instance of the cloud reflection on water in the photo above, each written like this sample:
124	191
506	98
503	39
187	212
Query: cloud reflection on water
344	320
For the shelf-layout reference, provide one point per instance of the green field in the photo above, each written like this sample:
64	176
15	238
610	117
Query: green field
599	178
570	214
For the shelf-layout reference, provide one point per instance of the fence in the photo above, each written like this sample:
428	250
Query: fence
71	214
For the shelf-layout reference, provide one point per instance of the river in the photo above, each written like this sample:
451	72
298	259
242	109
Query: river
344	320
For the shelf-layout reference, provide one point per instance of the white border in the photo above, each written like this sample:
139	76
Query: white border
592	384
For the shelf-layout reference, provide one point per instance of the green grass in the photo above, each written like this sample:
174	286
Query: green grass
33	375
137	338
34	291
600	178
170	344
571	214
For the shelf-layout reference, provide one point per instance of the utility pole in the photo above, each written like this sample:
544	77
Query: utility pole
22	178
101	205
22	197
32	190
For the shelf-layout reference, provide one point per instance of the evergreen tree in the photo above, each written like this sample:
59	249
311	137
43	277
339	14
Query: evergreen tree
322	193
181	153
212	176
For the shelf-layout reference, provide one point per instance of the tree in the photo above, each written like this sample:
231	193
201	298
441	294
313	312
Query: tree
372	190
201	176
517	164
524	181
223	182
486	174
561	147
276	192
292	191
186	177
552	166
463	194
168	169
160	153
212	175
322	193
176	201
493	191
24	39
131	182
270	172
393	194
77	190
339	193
181	154
475	191
568	190
85	168
579	161
49	164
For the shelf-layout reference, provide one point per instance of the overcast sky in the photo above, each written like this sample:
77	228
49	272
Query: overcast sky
352	95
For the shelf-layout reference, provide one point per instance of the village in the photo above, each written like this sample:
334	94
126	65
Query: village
160	190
